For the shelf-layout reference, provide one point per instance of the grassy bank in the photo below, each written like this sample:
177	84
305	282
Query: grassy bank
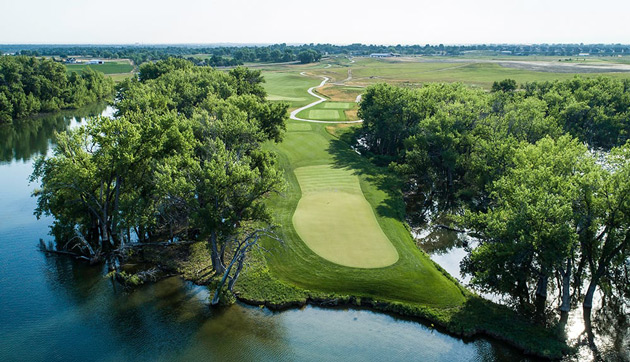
291	274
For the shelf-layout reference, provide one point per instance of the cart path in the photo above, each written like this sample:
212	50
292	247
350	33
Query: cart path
319	100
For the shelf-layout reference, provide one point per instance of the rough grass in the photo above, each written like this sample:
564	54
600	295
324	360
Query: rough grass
340	93
351	114
336	222
422	70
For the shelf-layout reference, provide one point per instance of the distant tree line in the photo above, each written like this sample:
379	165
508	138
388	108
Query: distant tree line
181	160
286	53
218	56
29	85
538	175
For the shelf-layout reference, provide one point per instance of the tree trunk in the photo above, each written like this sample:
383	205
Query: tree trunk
226	273
588	297
541	289
239	268
217	263
566	286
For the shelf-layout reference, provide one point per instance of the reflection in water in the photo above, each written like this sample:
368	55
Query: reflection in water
23	139
56	309
603	336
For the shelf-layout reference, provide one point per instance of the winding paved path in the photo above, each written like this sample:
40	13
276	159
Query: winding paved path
320	99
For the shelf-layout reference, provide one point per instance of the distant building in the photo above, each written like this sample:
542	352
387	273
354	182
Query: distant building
583	55
95	61
384	55
71	61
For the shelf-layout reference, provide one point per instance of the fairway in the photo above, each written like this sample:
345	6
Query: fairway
324	114
107	68
338	105
335	220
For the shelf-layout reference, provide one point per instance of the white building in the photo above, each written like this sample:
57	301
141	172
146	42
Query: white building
384	55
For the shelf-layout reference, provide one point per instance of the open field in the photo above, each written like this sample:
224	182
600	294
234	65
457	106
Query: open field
336	222
474	72
114	67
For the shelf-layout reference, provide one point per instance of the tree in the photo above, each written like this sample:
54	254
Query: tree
608	243
29	85
183	158
506	85
531	230
249	82
308	56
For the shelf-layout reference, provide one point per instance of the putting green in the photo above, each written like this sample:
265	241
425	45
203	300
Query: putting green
335	220
324	114
338	105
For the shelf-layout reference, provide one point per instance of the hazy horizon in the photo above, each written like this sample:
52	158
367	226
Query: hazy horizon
452	22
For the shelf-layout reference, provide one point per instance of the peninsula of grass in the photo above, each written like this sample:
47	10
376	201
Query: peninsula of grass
294	272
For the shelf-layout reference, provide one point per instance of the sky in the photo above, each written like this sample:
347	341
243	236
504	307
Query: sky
316	21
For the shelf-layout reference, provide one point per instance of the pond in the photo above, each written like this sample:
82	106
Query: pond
56	309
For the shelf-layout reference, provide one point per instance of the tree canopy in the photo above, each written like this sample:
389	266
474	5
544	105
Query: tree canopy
533	174
29	85
182	159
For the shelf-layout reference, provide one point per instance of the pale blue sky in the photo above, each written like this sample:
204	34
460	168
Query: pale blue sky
323	21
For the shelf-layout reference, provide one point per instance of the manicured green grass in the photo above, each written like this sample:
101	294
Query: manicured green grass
289	87
107	68
325	114
328	111
336	222
412	278
338	105
117	78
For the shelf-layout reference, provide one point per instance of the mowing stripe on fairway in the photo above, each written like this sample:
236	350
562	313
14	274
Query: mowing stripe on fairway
272	97
299	127
324	114
335	220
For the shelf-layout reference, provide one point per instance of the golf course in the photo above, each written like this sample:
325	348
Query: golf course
342	226
342	231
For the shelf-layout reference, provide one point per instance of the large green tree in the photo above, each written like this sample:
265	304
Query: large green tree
183	158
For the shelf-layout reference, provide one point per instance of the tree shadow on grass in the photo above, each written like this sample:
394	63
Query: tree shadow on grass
344	156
